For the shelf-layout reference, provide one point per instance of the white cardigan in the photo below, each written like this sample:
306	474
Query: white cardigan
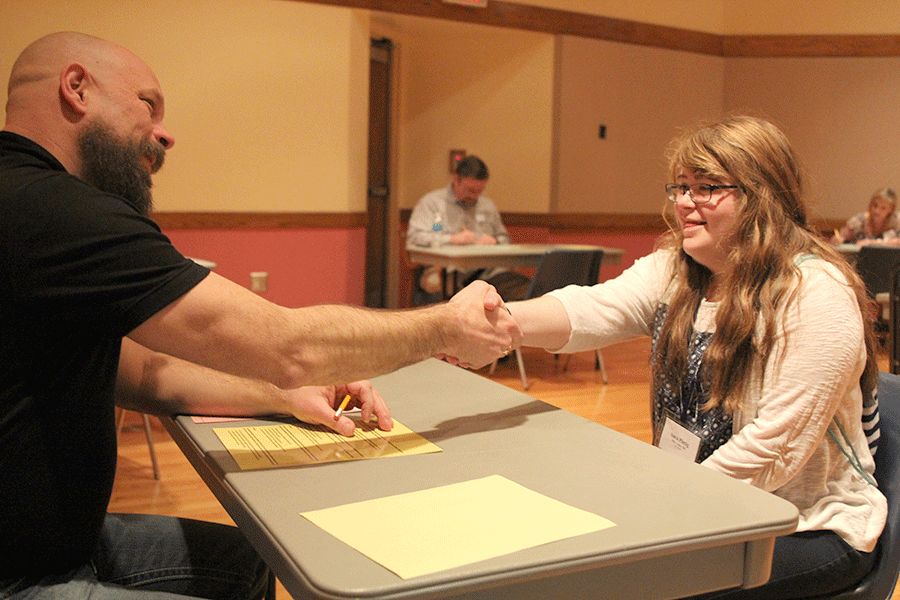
780	441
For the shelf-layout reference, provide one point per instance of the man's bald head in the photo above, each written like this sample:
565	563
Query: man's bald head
95	106
40	69
41	63
44	58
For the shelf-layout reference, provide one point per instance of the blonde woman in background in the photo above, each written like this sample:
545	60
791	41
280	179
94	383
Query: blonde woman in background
879	225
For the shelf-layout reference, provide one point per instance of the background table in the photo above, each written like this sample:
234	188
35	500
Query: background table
850	251
680	528
466	258
452	259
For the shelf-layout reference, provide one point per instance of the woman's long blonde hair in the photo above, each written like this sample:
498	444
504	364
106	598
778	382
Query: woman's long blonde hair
771	231
883	195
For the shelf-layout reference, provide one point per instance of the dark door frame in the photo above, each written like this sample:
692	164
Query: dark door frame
381	280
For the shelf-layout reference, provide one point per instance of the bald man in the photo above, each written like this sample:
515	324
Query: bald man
98	310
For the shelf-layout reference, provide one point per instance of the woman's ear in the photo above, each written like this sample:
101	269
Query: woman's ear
72	83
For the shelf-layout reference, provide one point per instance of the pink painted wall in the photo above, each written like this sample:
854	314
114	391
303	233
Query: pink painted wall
305	266
327	266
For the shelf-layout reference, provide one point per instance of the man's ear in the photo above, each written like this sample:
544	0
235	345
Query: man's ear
72	84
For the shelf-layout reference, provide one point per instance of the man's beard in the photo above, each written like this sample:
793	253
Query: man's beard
114	165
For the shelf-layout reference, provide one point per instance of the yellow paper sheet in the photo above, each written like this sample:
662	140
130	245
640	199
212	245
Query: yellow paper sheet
431	530
267	446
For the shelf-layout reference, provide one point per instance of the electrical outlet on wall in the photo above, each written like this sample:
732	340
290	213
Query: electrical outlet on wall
259	281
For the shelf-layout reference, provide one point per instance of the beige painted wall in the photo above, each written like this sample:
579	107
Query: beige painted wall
267	100
642	96
485	90
841	114
812	17
264	98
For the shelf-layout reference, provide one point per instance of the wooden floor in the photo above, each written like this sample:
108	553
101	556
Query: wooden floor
623	405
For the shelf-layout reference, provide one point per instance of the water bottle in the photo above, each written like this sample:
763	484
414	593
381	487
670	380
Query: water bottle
437	227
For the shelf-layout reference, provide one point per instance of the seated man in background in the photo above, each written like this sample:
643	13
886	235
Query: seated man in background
459	214
98	309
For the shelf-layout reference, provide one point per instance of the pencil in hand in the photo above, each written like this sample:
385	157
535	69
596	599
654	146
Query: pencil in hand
340	410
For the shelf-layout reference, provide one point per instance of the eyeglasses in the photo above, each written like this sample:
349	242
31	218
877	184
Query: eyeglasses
700	193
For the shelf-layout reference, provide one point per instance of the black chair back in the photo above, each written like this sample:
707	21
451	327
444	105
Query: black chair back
879	584
876	265
894	324
559	268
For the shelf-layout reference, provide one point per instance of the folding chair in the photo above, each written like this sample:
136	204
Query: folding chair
879	583
557	269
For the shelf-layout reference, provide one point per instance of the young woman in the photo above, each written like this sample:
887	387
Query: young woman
761	351
878	225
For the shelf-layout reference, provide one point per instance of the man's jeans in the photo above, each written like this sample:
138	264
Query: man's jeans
148	557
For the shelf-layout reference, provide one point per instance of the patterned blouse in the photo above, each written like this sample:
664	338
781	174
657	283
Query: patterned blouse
714	426
855	228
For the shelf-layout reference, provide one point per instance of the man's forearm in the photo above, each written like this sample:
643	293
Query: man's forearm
227	328
335	344
470	329
159	384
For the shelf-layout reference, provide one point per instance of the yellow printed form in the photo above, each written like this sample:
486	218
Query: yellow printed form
284	445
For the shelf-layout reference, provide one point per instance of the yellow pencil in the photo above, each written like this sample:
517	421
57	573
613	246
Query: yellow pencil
340	410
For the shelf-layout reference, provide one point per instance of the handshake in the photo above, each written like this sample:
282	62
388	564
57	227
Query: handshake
478	328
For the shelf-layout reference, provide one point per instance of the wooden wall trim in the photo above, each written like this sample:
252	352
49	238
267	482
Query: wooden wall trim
547	20
608	222
200	220
237	221
811	46
605	222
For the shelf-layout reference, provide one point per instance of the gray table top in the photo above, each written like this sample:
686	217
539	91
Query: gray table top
669	513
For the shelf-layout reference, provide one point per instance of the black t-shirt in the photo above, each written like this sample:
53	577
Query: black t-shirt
79	269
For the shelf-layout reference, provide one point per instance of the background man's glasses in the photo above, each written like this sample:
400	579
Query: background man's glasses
700	193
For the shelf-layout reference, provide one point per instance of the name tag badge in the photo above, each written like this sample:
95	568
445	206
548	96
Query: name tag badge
677	438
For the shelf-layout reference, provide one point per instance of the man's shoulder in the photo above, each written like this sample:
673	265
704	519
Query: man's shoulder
433	200
19	151
63	203
486	202
25	184
437	194
28	172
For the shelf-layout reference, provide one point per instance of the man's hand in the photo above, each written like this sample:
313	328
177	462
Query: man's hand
480	329
462	238
317	405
